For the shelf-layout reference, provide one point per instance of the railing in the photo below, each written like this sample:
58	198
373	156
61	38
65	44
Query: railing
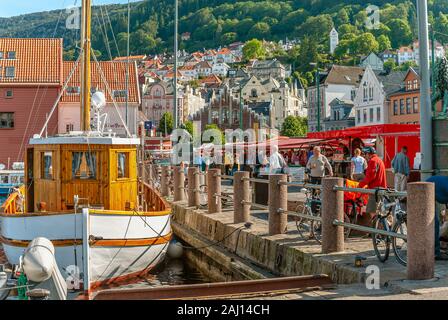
420	209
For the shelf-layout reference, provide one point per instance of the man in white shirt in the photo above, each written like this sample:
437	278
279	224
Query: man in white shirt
276	161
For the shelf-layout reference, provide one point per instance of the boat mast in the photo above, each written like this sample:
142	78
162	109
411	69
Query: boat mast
85	64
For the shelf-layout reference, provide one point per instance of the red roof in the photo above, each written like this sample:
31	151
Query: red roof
115	74
36	60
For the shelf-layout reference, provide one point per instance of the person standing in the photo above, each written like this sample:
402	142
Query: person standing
317	165
276	162
401	167
358	166
375	177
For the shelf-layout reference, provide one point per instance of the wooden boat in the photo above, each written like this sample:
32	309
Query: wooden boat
82	191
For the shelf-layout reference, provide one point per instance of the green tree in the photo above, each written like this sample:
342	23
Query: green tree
318	27
166	123
400	32
217	130
364	44
294	126
384	43
307	54
229	37
260	30
342	17
390	65
254	49
188	126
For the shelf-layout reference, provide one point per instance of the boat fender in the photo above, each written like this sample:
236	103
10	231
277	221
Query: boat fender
175	250
38	260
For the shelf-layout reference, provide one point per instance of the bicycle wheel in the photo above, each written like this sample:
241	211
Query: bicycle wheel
381	244
400	246
302	224
316	226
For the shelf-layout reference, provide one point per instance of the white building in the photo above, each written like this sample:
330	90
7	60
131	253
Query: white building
220	69
340	82
371	105
439	51
334	40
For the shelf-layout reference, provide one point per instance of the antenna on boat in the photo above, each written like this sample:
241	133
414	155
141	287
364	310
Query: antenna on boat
85	63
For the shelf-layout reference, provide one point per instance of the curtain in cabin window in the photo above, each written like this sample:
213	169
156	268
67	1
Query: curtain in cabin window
91	163
48	169
121	165
76	163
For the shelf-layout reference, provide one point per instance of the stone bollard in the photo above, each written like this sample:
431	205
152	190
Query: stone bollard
179	184
193	186
214	190
278	204
332	208
164	182
241	192
420	230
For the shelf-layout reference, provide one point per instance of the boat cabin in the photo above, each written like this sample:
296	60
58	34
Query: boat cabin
101	171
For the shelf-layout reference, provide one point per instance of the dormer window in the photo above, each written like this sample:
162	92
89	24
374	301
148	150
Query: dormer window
119	93
11	55
10	72
1	54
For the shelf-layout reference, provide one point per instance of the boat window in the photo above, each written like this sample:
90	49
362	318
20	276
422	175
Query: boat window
47	165
84	165
3	179
122	165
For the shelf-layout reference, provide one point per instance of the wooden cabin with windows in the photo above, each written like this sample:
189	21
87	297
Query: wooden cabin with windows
101	171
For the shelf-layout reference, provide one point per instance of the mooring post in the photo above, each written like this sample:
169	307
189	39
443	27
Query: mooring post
332	208
241	194
420	230
193	186
179	184
278	203
164	182
214	190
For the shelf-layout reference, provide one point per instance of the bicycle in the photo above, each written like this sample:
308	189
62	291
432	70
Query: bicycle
352	210
400	246
389	218
310	207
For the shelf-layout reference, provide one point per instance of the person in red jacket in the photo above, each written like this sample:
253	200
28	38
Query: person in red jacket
375	176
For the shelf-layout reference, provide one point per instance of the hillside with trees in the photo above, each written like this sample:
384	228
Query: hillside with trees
214	23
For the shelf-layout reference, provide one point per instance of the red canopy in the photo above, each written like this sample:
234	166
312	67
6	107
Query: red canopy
368	131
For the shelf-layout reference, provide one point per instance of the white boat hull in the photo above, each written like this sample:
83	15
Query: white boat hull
122	245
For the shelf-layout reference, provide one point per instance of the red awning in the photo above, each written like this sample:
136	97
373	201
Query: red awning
368	131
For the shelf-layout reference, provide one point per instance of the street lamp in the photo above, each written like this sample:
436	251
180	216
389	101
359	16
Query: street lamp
316	64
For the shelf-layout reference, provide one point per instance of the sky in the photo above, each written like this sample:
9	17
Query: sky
10	8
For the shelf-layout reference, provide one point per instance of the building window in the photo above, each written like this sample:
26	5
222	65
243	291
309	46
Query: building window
370	93
402	111
11	55
415	84
69	127
84	165
120	93
358	115
47	165
395	107
364	94
1	54
253	93
371	114
409	85
408	106
378	114
10	72
73	90
122	165
6	120
9	94
365	115
415	100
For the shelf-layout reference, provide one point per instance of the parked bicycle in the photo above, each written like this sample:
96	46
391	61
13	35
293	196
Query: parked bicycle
390	216
311	206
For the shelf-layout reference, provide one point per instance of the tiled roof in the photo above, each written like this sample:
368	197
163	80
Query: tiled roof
345	75
115	74
140	57
36	61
